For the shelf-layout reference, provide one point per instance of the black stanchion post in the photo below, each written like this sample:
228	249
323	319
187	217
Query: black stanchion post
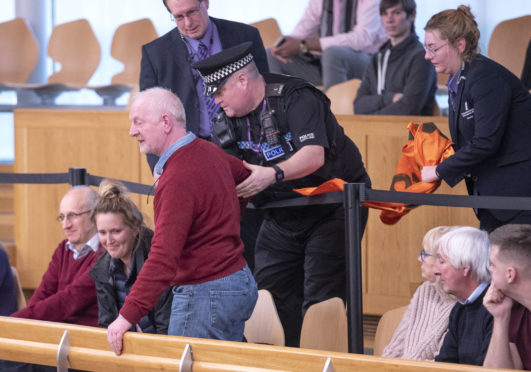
78	176
352	203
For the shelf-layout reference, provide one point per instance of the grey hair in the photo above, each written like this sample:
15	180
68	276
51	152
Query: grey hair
91	196
163	101
468	246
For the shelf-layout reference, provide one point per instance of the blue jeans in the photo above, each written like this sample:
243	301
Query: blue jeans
216	309
338	64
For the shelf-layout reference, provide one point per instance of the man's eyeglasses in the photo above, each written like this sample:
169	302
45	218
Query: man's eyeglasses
192	13
71	216
424	254
431	50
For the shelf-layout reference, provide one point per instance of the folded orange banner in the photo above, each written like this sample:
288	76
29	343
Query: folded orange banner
426	146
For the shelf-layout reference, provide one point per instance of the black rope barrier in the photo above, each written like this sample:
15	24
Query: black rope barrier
79	176
352	198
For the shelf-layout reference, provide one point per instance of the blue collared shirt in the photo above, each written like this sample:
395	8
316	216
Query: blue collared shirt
477	292
91	245
212	41
183	141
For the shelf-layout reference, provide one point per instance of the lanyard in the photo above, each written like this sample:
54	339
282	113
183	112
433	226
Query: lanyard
255	147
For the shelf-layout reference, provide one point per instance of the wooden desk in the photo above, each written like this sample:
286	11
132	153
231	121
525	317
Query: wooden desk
37	342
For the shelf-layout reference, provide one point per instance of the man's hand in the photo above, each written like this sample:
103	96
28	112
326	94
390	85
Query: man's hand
155	177
259	179
287	49
498	304
115	333
428	173
397	97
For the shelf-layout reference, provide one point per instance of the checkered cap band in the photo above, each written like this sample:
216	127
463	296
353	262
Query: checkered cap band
228	70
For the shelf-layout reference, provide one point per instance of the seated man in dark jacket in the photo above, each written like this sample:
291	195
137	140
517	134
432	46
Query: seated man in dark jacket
398	81
463	265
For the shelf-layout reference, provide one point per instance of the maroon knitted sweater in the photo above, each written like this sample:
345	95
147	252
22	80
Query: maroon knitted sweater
67	293
197	225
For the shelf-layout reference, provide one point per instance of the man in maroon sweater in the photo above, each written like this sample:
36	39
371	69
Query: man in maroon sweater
509	298
196	247
67	292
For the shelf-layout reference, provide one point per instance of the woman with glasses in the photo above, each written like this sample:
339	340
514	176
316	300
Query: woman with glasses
421	331
127	242
489	117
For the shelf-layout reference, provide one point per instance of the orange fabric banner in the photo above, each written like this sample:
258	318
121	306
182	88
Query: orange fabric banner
426	146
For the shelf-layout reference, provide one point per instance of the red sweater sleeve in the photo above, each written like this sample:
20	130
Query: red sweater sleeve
67	302
240	174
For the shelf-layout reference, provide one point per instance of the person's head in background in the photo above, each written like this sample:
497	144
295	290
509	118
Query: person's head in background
118	221
398	18
510	261
74	215
429	251
451	39
463	261
191	16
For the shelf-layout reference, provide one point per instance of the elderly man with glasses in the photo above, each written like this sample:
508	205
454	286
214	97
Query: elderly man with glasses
67	292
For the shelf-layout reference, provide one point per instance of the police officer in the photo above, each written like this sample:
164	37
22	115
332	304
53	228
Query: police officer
283	129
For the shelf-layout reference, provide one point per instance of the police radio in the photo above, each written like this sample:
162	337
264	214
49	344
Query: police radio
269	124
222	132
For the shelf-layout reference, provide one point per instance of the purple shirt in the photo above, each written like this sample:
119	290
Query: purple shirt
213	43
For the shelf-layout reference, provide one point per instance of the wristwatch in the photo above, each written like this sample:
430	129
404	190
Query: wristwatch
303	47
279	173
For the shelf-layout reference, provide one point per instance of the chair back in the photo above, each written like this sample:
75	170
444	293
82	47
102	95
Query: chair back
126	47
269	31
342	97
21	299
508	43
324	326
75	46
20	51
264	327
386	328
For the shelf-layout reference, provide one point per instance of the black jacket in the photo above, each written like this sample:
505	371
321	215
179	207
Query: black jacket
468	336
408	72
107	304
166	63
491	129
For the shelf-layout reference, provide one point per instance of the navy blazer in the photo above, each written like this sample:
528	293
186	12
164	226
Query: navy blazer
491	128
166	63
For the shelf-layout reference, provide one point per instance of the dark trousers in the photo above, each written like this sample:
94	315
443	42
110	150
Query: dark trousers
488	222
249	227
301	261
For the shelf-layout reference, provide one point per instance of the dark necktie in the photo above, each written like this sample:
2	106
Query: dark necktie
212	108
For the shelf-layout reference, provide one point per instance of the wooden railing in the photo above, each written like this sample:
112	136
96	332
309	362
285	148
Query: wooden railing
38	342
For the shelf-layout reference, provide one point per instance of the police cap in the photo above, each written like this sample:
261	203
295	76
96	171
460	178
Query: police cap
215	70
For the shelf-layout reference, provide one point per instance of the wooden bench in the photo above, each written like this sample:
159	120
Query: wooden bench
38	342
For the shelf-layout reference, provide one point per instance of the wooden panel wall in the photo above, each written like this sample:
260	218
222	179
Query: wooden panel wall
391	271
55	140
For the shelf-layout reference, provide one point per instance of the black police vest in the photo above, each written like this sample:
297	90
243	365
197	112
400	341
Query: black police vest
278	91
